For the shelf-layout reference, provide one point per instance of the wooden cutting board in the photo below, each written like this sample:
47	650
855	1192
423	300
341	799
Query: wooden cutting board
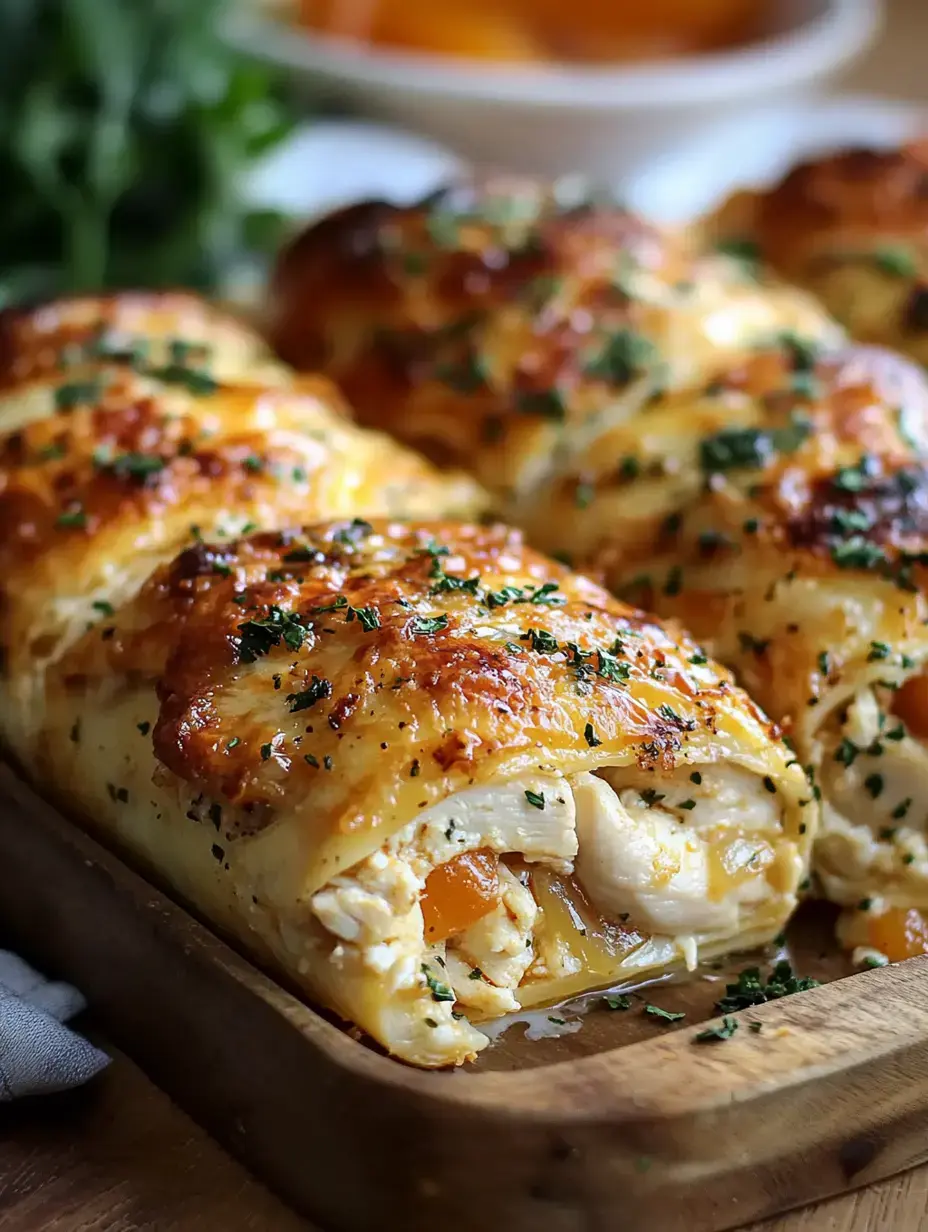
625	1117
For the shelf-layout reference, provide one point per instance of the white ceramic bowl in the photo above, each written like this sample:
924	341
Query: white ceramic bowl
565	118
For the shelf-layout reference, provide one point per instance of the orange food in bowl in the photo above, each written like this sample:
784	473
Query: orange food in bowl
459	893
527	31
899	933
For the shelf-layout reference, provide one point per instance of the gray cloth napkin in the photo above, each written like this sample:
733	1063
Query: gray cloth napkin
38	1054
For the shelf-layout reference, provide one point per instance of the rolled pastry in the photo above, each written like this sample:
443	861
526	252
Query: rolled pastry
852	228
110	465
426	773
502	325
783	515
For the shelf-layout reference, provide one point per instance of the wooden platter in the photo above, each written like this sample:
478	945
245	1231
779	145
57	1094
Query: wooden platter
623	1117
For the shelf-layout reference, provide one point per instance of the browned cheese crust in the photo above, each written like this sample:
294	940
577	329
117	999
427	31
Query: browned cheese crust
501	325
852	228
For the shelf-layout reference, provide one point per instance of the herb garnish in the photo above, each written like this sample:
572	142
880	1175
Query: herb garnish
258	637
725	1030
751	989
317	689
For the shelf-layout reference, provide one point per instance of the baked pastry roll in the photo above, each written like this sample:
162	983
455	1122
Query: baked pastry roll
852	228
428	774
783	515
103	478
167	333
501	325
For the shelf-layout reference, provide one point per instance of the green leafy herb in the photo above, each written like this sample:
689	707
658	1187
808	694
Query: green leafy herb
367	617
535	798
622	357
590	736
618	1003
439	991
317	689
736	448
259	637
723	1031
751	988
665	1015
420	625
128	130
897	261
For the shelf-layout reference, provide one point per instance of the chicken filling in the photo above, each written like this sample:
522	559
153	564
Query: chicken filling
872	854
537	888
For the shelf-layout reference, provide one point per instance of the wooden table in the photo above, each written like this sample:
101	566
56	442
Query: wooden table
118	1156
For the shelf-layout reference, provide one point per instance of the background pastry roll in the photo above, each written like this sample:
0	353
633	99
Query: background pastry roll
852	228
109	467
427	773
501	325
783	515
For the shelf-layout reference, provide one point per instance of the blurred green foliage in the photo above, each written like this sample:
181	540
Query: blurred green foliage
125	129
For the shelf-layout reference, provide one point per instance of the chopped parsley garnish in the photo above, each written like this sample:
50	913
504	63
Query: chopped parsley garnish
590	736
623	356
439	991
897	261
317	689
744	250
873	784
548	403
350	536
751	988
259	637
618	1003
266	750
77	393
427	624
144	727
725	1030
854	478
846	752
857	553
535	798
367	617
196	381
610	668
75	519
734	448
541	641
104	608
878	650
335	606
311	760
665	1015
698	660
687	804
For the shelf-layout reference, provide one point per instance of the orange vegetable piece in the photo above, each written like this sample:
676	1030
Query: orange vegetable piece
472	28
911	705
899	933
460	893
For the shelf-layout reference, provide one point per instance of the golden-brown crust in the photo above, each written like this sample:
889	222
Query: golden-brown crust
496	327
851	227
150	329
770	435
782	516
400	667
107	470
847	201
